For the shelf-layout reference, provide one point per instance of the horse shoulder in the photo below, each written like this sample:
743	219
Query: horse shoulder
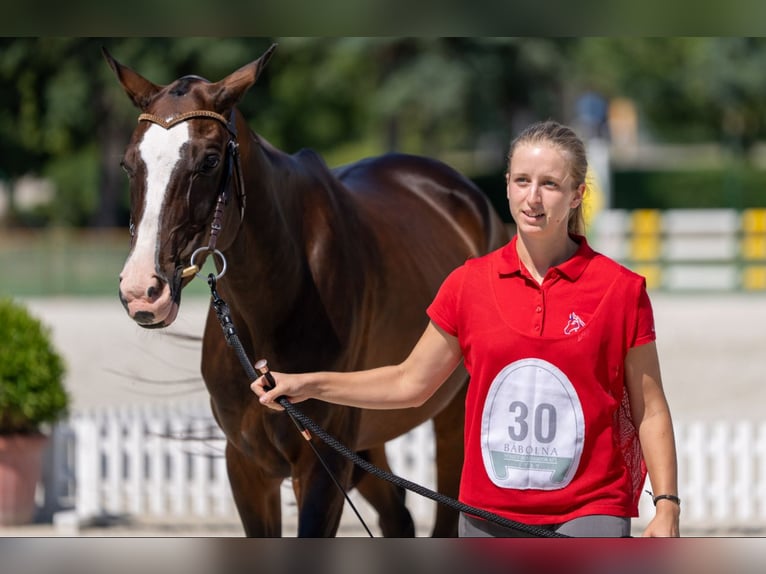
342	254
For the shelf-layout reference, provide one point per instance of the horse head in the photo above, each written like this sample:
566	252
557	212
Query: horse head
186	196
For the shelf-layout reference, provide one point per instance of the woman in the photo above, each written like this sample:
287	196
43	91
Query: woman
565	410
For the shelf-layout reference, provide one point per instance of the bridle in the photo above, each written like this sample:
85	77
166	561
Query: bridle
232	170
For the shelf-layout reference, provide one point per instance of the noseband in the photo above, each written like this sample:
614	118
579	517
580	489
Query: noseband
233	169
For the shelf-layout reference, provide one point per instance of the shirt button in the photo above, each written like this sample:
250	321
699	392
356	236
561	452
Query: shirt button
538	309
537	327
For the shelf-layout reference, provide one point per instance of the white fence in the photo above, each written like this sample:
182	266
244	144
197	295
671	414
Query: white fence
169	464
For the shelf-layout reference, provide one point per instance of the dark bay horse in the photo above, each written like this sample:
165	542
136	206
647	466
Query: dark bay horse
324	270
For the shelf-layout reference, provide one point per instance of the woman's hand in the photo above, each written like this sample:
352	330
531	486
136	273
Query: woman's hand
665	521
289	386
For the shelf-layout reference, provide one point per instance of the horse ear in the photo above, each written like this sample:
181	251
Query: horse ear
234	86
139	89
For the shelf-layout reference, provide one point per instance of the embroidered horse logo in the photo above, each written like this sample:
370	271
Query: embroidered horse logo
574	324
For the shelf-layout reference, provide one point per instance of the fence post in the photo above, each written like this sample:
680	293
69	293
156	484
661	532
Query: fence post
156	428
87	467
200	468
693	469
744	457
178	483
112	453
719	492
135	465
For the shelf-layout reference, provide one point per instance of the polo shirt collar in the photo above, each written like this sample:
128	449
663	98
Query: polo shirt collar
509	263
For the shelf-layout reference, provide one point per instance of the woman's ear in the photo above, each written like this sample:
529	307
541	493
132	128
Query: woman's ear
578	196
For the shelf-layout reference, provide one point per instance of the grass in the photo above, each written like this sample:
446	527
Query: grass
58	262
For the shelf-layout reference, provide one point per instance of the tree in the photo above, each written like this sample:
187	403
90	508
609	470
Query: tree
687	89
65	117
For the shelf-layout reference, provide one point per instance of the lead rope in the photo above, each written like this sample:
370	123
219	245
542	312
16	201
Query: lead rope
230	333
305	424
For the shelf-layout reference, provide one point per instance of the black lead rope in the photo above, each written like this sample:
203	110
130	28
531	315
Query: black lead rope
305	424
230	333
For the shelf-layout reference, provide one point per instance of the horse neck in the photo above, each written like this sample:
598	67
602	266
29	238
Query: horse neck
270	278
264	255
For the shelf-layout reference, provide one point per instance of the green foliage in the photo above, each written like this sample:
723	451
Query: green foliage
31	372
64	116
76	198
687	88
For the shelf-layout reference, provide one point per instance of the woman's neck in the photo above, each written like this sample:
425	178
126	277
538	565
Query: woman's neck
540	254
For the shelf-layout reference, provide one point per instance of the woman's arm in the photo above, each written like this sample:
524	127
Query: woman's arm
408	384
651	416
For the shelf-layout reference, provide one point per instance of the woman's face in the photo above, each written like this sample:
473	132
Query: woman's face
540	189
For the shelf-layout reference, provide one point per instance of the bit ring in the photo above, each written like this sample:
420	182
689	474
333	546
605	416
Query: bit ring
214	252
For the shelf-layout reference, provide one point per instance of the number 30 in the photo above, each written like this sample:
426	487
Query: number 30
544	422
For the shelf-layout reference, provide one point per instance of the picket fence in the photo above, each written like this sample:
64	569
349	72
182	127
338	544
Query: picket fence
168	463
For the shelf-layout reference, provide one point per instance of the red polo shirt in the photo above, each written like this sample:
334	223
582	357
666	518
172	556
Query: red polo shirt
548	431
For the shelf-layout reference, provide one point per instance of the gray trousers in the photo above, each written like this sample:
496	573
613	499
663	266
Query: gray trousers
595	526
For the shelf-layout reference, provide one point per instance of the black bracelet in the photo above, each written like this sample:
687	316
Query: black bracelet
670	497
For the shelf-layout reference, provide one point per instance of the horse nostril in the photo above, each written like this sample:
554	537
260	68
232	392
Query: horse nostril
154	291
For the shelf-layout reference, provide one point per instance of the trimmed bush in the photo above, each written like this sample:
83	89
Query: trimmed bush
31	373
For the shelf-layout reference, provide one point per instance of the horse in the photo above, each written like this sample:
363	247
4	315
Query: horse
325	269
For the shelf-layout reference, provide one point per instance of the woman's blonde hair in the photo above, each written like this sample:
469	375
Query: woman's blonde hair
565	139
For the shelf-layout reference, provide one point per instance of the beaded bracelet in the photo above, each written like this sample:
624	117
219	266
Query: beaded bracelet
670	497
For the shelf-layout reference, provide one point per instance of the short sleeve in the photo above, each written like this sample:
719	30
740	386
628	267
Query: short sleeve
444	309
644	319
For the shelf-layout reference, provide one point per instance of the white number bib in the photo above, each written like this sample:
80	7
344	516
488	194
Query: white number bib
533	427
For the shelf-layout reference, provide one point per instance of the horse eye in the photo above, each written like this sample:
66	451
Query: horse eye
209	163
128	170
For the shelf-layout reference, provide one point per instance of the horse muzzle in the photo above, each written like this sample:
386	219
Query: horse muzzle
150	303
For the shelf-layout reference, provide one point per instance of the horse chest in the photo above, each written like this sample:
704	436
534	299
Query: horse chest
268	438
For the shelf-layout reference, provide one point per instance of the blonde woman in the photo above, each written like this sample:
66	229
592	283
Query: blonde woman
565	410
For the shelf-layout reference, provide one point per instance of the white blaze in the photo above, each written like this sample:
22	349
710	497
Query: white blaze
160	150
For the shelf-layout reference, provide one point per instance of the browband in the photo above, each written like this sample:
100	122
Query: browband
167	124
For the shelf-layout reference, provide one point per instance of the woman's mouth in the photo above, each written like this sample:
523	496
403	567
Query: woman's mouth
534	214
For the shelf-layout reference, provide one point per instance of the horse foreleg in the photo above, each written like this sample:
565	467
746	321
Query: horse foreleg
320	501
448	433
256	496
394	519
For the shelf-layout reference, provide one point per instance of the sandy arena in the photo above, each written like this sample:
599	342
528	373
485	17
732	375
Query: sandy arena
712	351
